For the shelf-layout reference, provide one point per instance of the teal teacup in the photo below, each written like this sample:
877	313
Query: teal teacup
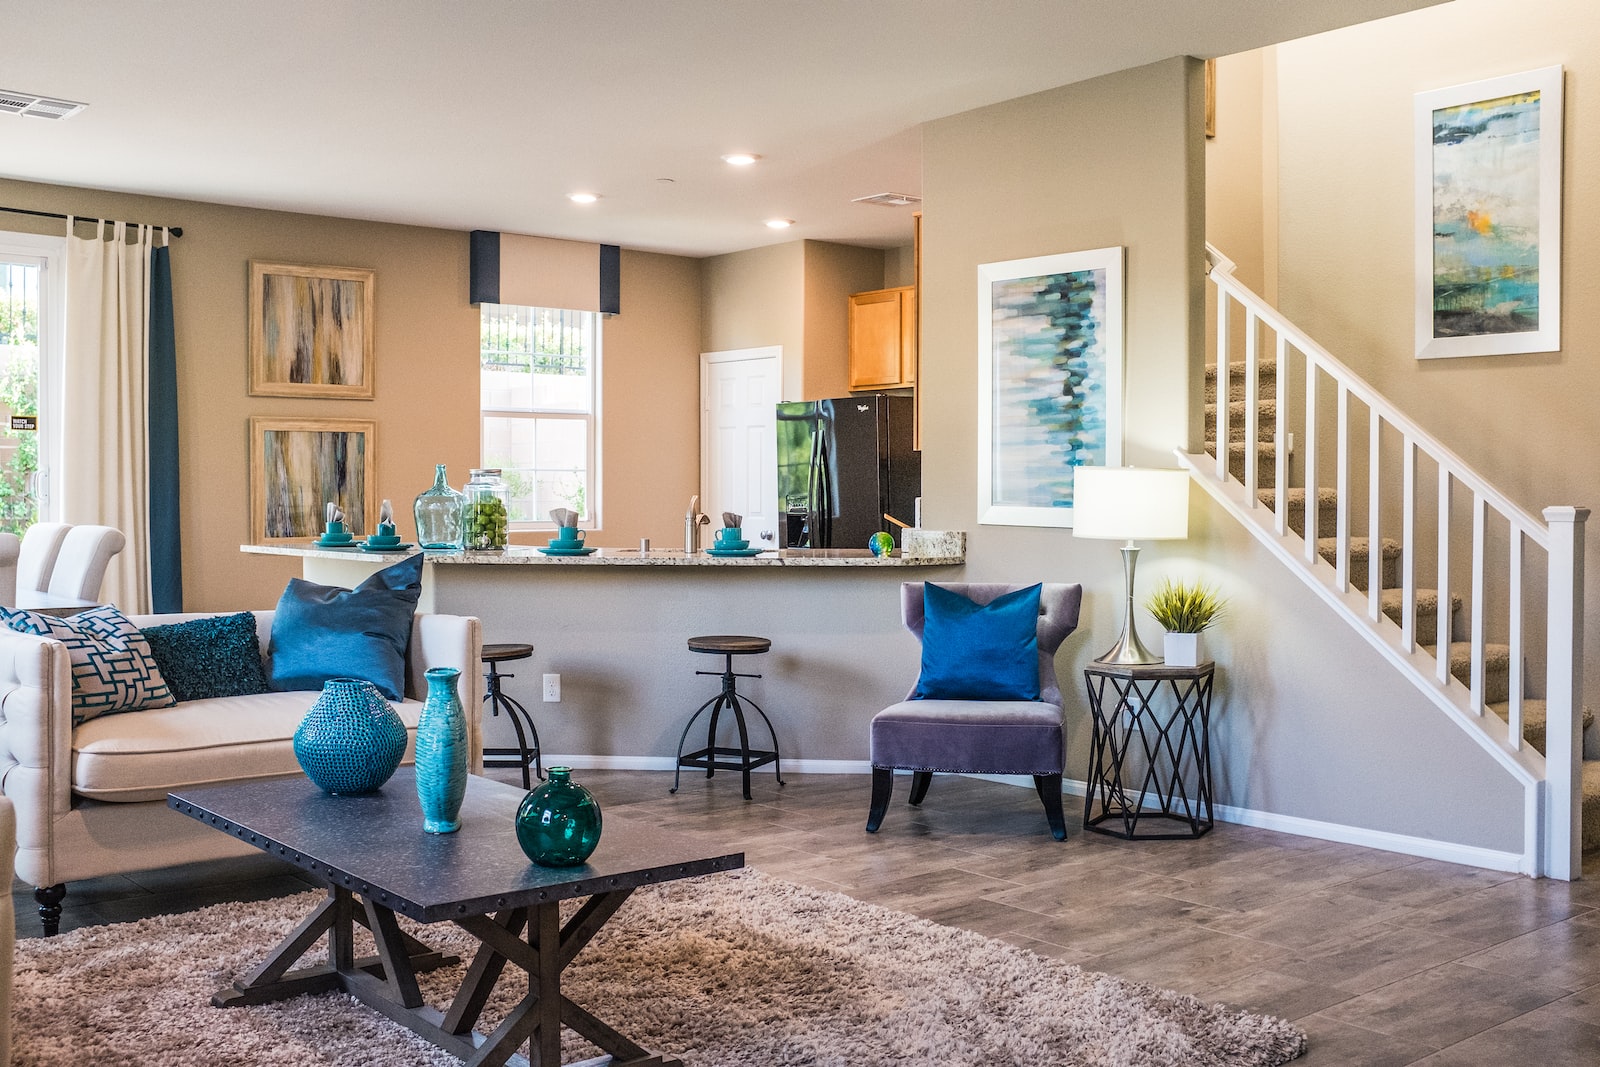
731	537
567	537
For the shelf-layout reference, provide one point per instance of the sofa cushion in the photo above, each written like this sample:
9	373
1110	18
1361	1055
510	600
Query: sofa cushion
198	742
219	656
325	631
969	736
974	651
112	668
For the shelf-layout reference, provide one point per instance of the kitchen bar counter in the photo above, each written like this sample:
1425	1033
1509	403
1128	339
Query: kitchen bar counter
615	625
523	555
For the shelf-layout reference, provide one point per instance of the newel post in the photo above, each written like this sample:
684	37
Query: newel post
1563	806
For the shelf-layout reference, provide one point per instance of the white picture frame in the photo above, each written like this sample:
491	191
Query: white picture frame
1488	216
1050	384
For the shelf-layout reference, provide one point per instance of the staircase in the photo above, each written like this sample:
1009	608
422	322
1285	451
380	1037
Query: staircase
1371	469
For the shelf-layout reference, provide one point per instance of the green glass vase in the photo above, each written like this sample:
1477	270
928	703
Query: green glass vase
558	824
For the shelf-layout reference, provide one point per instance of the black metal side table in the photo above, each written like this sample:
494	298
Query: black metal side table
1143	750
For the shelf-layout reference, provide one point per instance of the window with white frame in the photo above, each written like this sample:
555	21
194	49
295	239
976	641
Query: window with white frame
540	374
31	315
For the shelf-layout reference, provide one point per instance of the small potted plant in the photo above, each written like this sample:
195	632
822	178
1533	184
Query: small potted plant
1184	610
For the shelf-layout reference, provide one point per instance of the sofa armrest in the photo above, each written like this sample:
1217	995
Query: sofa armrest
35	743
450	641
8	927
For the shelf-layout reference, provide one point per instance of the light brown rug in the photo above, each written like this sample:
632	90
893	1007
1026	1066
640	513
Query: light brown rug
732	970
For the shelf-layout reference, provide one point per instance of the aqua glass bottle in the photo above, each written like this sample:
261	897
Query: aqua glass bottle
442	753
558	824
439	514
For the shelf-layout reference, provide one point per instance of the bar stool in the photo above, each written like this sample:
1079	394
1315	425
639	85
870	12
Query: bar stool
744	758
497	698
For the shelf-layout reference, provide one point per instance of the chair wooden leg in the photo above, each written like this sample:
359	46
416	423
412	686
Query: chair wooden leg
882	789
1049	788
49	898
920	780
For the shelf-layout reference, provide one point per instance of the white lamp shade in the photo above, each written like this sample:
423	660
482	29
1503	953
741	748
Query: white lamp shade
1130	503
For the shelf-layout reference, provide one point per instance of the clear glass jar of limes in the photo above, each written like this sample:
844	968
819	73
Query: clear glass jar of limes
484	518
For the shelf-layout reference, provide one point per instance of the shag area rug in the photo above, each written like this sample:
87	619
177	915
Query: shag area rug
730	970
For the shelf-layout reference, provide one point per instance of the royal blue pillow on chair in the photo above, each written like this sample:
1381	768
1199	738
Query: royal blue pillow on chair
325	631
979	651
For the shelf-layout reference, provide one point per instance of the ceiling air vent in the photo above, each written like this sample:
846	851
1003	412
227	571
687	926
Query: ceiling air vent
889	199
39	107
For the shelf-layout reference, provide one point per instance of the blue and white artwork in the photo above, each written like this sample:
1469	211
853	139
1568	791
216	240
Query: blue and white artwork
1052	381
1488	216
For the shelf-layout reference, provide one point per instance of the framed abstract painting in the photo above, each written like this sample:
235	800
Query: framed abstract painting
1488	216
311	331
1050	357
299	466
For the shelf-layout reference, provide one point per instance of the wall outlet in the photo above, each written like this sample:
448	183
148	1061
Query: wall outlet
552	689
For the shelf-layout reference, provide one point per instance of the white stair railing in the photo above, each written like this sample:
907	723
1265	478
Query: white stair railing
1482	547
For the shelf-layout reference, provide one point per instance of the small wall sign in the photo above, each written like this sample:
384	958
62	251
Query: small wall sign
24	422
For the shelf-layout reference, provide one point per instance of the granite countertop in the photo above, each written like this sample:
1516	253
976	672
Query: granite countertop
527	555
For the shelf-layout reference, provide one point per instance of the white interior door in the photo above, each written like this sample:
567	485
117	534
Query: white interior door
739	439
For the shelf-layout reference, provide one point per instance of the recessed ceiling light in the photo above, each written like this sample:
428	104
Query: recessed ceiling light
583	198
740	159
780	224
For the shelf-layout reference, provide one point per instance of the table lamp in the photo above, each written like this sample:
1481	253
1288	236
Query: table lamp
1130	504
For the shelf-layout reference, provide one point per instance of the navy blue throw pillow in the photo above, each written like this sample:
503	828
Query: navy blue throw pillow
325	631
979	651
218	656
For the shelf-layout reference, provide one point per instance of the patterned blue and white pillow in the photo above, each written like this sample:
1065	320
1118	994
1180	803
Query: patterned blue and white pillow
112	668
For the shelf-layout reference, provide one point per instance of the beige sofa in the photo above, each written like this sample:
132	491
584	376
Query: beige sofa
91	800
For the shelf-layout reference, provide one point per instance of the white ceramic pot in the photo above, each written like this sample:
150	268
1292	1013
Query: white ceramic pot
1182	650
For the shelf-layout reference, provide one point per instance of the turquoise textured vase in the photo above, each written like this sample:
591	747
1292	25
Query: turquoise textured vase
351	740
558	824
442	753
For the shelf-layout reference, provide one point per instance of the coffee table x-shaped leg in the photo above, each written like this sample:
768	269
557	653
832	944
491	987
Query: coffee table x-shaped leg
387	982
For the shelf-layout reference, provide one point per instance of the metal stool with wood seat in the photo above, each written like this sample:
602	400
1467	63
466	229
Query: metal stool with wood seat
523	755
744	758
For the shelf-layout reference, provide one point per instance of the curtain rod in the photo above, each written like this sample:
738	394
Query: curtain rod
175	231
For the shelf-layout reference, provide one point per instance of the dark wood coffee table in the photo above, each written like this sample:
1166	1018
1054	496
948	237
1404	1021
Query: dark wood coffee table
375	859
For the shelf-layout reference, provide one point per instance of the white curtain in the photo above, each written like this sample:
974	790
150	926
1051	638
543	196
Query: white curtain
105	394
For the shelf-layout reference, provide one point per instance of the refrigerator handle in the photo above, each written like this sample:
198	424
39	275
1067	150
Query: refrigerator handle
822	497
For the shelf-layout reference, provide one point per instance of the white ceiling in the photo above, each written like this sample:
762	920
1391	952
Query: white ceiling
485	114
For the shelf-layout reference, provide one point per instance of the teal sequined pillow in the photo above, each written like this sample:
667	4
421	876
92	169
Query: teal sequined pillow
217	656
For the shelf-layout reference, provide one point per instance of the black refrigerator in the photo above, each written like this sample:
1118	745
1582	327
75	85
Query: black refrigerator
841	465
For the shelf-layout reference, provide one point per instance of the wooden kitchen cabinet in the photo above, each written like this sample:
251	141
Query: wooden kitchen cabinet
883	338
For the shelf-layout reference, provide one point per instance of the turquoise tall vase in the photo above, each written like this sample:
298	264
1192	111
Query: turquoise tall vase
442	753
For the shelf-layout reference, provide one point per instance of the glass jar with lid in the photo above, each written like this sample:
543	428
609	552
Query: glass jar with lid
438	513
485	517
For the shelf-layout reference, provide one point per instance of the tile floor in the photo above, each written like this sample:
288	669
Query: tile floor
1382	958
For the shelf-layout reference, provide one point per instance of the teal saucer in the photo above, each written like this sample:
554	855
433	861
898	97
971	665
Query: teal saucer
352	543
568	551
731	552
398	546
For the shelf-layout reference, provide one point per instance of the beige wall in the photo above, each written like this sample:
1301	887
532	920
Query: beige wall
795	295
1236	171
753	299
832	273
426	406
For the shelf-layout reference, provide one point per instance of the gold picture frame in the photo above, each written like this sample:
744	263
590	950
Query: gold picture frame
298	465
311	331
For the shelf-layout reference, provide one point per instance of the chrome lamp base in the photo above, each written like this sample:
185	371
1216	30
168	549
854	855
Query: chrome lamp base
1129	650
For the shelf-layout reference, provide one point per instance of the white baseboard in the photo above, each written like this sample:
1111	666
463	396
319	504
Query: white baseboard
1404	844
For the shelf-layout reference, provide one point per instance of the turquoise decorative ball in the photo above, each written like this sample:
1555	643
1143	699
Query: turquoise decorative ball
881	543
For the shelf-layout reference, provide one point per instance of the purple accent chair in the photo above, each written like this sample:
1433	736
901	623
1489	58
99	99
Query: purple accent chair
979	736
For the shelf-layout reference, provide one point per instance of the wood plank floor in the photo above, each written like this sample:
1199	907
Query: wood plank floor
1382	958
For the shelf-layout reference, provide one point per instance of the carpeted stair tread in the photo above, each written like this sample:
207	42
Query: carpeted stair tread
1295	504
1266	461
1391	601
1591	805
1266	419
1534	715
1267	368
1496	668
1328	549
